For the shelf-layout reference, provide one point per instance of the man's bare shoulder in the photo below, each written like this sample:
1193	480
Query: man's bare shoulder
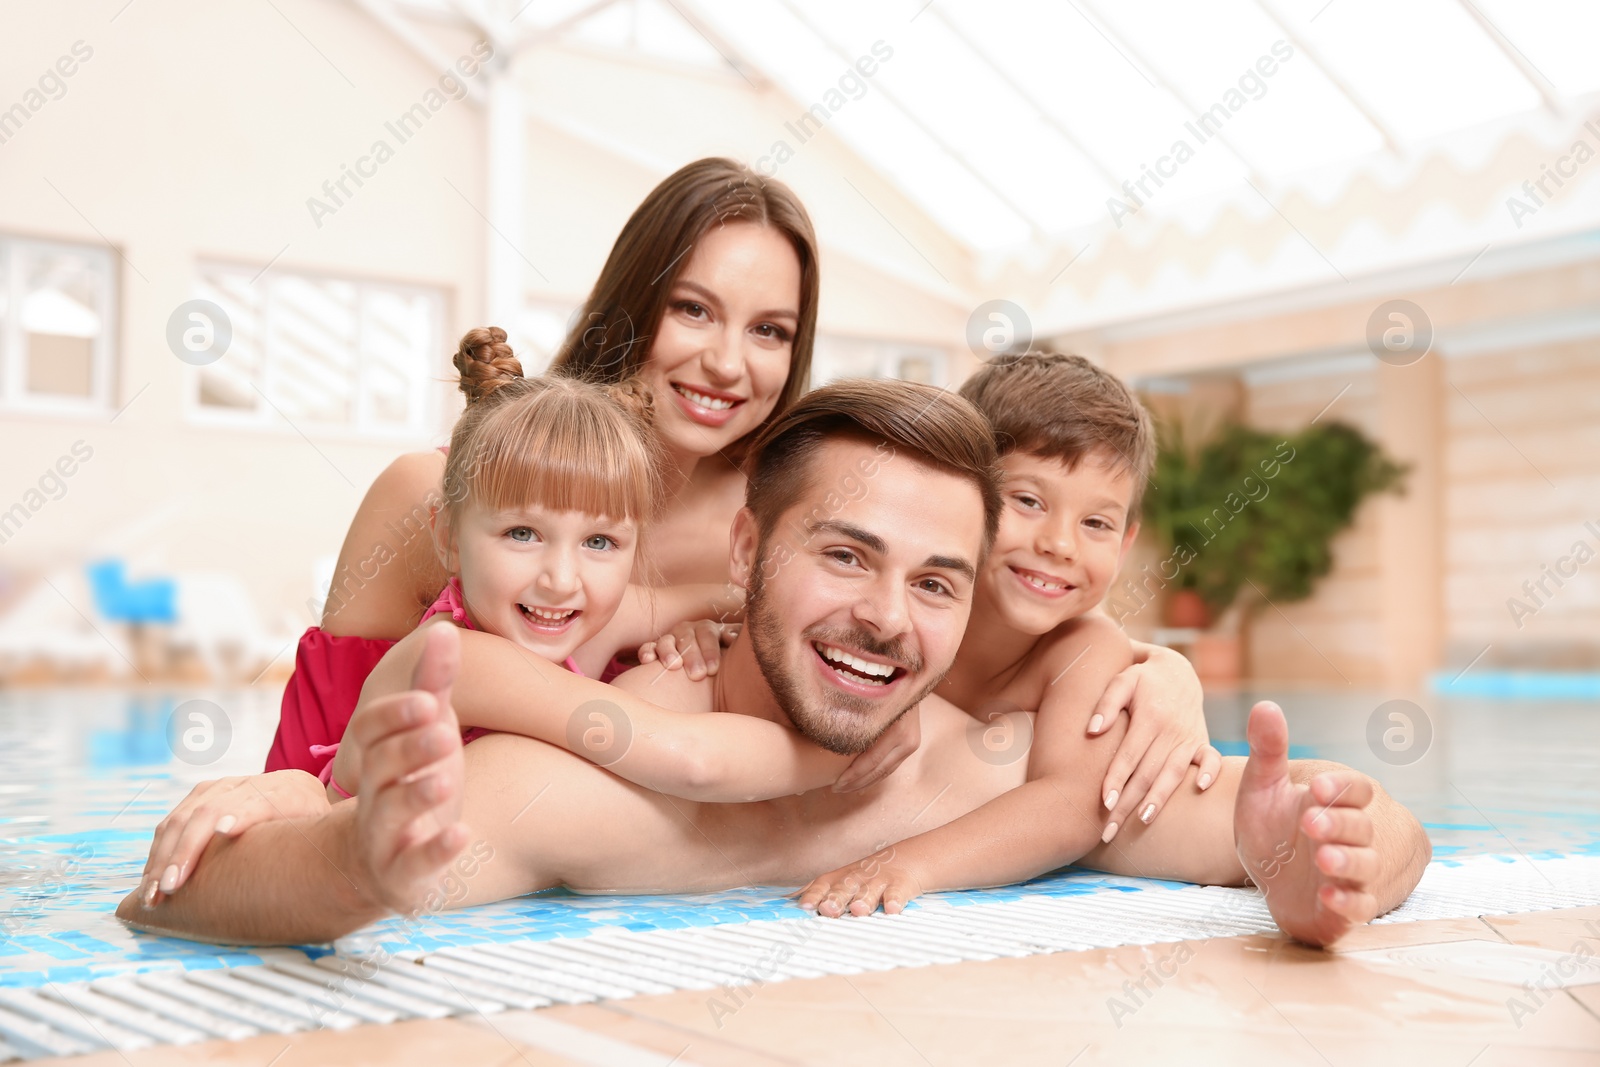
667	689
1077	645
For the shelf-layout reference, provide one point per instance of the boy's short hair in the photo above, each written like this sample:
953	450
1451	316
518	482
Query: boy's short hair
1064	407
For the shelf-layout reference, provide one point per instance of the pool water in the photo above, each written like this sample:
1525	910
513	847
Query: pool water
86	774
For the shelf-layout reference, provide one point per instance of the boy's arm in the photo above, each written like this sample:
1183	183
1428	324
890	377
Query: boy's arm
724	758
1049	821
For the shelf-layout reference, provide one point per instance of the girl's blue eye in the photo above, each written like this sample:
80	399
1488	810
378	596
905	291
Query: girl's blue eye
599	542
521	533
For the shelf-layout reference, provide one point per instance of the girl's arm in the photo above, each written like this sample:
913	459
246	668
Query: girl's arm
647	613
725	758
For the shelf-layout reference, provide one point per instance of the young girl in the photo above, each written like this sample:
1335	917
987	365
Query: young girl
583	446
548	483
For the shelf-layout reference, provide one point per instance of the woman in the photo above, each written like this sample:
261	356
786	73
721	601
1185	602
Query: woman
709	296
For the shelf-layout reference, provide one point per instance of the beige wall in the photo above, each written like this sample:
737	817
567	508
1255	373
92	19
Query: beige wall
1515	419
198	132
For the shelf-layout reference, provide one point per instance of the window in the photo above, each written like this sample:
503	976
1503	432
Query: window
56	317
850	357
320	352
543	327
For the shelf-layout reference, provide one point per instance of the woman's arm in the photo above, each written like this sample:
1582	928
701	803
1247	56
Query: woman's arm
725	758
388	572
1166	733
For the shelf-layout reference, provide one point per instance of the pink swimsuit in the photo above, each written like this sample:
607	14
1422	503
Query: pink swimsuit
450	602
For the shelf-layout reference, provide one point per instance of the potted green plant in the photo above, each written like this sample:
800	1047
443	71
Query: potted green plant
1252	514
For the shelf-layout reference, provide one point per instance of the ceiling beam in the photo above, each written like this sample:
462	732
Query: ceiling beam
1390	139
1121	43
928	131
1530	73
1028	98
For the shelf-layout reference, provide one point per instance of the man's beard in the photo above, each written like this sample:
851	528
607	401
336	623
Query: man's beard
845	725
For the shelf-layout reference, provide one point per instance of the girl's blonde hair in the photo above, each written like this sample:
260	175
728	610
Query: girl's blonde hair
564	443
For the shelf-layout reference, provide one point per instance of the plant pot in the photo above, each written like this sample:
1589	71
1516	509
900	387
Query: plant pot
1187	610
1218	659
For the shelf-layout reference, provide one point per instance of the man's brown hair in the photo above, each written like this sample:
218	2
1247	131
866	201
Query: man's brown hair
932	425
611	339
1065	408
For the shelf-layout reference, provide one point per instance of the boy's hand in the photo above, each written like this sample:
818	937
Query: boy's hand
1166	734
226	806
882	878
694	646
887	752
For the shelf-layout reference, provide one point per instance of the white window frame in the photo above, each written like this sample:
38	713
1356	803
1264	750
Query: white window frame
422	398
14	394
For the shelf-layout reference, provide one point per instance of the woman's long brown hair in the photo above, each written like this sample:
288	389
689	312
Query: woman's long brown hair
612	337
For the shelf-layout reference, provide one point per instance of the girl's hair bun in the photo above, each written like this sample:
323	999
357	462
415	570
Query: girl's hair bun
485	362
634	397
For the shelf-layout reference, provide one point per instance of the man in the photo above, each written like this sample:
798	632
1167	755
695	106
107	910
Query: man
859	589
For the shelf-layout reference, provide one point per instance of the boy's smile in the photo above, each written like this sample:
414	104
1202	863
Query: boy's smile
1062	537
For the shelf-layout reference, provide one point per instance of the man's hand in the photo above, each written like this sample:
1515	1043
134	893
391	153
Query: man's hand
882	878
1166	733
694	646
227	806
890	750
409	815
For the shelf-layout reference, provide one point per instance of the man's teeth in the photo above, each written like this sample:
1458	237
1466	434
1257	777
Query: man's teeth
1040	583
704	401
548	614
839	655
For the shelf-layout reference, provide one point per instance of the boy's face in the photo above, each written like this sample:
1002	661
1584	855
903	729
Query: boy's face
1063	534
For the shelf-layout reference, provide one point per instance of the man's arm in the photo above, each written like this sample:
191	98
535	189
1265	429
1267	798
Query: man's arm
300	880
1327	845
290	881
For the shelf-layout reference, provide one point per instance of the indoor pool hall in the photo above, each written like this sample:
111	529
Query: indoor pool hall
746	533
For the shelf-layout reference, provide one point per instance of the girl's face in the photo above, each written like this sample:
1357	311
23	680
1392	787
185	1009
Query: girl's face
721	355
546	580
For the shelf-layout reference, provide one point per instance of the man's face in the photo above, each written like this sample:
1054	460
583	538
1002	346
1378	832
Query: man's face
859	596
1063	534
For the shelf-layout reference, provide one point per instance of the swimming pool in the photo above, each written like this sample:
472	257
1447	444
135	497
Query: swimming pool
86	774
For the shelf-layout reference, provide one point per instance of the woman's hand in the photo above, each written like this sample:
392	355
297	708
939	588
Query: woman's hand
227	806
694	646
1166	733
887	752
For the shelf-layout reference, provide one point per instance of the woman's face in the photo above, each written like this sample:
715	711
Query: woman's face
721	355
